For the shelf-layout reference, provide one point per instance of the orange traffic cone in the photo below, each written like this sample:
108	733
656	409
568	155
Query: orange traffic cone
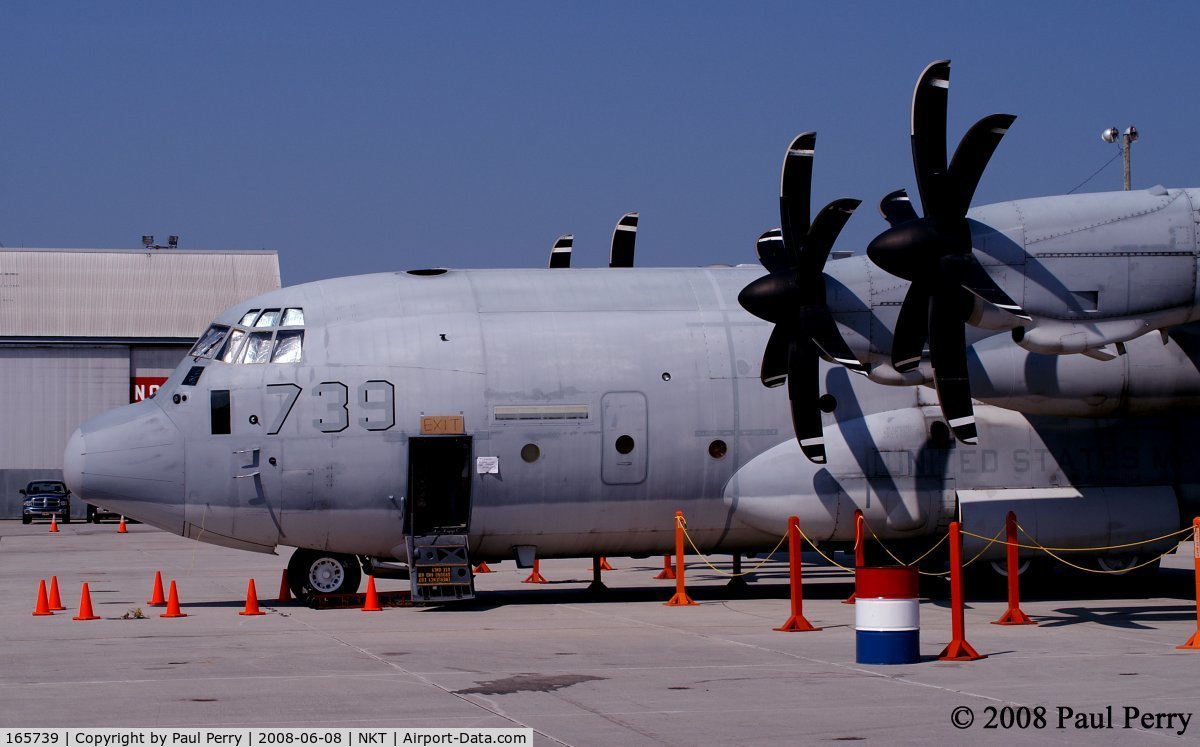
53	523
85	605
251	601
604	566
156	594
372	602
173	603
121	527
43	605
285	591
483	568
56	604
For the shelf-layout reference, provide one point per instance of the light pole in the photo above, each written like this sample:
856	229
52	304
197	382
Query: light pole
1131	134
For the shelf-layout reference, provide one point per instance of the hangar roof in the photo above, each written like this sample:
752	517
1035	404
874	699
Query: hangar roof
115	293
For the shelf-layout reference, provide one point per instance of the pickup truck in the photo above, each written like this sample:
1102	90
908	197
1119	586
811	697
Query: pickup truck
46	498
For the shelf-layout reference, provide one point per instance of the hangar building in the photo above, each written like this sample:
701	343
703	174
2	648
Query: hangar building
85	330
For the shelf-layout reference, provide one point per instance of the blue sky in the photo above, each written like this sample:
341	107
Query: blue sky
374	137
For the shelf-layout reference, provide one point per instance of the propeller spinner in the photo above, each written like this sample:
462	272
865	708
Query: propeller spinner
934	252
792	296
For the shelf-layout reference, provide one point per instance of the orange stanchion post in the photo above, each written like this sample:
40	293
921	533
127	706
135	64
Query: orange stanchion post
173	603
371	604
1193	642
604	565
958	648
251	601
536	576
860	551
85	605
56	604
53	523
668	572
796	623
42	606
121	528
1013	615
681	599
156	594
482	568
285	591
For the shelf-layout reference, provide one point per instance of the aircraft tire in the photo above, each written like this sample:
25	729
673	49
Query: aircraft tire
313	573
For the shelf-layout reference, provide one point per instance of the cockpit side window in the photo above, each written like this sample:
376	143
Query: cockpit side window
249	317
208	342
288	345
292	318
257	348
233	346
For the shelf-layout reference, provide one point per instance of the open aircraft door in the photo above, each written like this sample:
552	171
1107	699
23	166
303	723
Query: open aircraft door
438	516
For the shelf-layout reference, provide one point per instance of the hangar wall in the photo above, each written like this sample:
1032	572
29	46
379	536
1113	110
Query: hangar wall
85	330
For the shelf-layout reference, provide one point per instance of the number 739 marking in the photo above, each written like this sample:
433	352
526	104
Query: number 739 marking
375	400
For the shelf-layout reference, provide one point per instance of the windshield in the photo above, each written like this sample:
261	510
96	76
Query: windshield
56	488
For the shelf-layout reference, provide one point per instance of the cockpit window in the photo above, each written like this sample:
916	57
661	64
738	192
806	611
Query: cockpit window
288	346
233	346
257	348
262	336
207	344
269	318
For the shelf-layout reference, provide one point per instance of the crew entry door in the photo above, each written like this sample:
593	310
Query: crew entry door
439	511
439	485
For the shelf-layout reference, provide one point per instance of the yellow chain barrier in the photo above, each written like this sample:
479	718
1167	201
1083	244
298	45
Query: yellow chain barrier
994	539
704	558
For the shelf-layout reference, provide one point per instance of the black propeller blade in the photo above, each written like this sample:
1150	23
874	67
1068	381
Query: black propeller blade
792	295
560	255
934	251
623	239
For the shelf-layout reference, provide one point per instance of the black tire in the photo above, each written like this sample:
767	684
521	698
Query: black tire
91	515
25	519
66	517
313	573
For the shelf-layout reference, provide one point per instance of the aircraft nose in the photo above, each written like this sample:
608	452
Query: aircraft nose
130	460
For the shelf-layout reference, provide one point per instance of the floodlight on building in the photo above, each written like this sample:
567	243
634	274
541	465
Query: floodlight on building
173	242
147	241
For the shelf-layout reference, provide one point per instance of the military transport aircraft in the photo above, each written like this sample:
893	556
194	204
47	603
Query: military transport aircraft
1037	355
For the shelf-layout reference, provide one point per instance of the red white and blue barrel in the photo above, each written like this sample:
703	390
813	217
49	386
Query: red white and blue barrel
887	615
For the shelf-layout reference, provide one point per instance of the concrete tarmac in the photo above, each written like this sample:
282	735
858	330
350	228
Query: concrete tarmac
615	669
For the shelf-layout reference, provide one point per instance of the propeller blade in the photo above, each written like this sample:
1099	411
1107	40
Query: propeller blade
560	255
970	274
795	186
896	208
827	337
775	357
804	391
824	231
771	251
929	135
623	239
948	349
972	156
912	328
